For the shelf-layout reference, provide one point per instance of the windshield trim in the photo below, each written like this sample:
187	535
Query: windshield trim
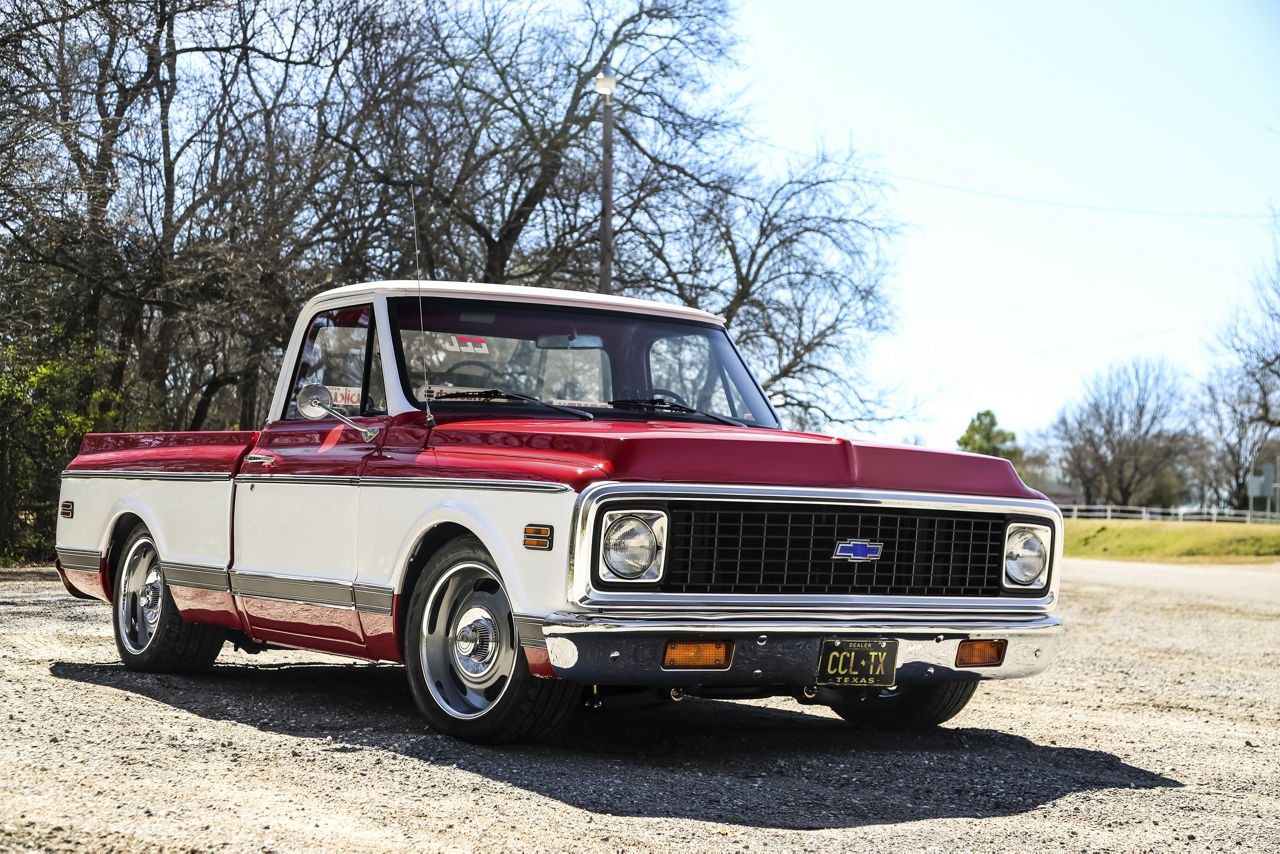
509	408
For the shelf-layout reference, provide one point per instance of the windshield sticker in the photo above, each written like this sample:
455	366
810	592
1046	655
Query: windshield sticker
580	404
431	392
344	395
465	344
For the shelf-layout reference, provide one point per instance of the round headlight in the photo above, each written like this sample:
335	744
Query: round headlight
1026	556
630	547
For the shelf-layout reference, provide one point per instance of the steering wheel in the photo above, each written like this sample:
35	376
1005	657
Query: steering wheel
666	392
486	379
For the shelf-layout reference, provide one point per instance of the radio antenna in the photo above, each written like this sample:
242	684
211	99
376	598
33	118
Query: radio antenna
417	252
421	392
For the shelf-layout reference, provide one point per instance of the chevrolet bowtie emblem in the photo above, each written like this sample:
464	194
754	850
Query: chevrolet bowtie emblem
857	550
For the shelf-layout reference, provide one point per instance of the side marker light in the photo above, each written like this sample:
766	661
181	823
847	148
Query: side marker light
697	655
537	537
981	653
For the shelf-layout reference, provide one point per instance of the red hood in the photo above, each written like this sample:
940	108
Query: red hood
679	452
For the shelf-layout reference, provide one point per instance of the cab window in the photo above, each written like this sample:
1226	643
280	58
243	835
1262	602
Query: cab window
340	353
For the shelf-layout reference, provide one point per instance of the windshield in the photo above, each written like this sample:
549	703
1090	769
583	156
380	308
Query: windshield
609	364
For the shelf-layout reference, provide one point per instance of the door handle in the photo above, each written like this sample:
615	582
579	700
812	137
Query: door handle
265	459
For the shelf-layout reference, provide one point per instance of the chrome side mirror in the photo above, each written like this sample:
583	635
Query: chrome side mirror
315	401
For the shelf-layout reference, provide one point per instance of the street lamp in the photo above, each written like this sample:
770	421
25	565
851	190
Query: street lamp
606	82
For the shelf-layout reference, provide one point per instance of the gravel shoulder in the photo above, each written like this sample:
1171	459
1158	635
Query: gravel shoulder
1158	729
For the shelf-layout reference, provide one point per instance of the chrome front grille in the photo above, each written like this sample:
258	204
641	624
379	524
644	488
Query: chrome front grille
730	547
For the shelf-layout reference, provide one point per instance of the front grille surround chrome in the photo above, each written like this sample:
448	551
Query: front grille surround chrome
785	548
612	495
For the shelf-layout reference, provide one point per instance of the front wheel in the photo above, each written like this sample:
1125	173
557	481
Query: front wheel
467	671
151	635
906	706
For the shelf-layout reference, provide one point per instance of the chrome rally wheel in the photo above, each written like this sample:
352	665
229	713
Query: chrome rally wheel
467	671
466	645
151	634
140	596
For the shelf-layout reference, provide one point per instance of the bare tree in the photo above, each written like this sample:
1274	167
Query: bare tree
277	191
1123	440
177	178
203	184
1233	437
81	70
791	263
1254	339
495	130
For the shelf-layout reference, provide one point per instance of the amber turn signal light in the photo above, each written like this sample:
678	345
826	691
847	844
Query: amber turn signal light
980	653
699	655
537	537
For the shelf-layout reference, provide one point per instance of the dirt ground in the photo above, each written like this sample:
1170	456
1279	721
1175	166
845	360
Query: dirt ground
1157	730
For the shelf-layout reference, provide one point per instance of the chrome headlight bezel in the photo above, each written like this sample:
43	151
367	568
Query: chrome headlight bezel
1015	535
656	522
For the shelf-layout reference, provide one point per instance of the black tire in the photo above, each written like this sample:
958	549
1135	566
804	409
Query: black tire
151	635
467	671
906	706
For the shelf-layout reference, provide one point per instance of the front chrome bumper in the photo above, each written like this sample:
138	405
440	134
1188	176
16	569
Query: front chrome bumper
628	650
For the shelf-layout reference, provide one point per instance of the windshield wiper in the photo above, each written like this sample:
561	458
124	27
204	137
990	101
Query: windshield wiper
491	393
659	403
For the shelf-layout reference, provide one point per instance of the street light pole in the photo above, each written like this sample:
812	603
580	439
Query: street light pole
605	83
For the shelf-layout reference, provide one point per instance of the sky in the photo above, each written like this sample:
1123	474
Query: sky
1171	107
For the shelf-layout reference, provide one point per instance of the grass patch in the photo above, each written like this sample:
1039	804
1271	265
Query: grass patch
1132	539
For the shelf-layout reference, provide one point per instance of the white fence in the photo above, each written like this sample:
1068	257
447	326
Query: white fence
1203	514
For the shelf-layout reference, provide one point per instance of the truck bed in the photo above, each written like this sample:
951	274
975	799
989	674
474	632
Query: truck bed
214	451
178	484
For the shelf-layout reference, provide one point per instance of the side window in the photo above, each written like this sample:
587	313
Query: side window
336	354
686	366
375	401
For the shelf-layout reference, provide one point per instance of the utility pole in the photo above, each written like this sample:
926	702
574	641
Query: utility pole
605	83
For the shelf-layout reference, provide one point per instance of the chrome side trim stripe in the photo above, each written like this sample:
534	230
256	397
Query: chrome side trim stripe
305	591
187	476
324	479
331	480
371	599
80	560
529	631
196	575
424	482
463	483
365	598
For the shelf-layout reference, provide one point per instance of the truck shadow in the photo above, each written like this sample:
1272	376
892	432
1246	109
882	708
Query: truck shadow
699	759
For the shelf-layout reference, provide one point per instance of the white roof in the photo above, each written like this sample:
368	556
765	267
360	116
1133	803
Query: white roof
517	293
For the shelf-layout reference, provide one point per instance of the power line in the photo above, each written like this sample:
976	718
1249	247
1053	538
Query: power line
1028	200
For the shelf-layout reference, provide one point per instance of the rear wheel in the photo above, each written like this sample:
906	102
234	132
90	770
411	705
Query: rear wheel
150	634
467	671
906	706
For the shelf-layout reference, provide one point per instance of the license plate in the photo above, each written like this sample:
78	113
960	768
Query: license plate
857	662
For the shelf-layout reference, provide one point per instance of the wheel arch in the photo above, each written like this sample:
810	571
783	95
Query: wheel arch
428	544
118	532
534	581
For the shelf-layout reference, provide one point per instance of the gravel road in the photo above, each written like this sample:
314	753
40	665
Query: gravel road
1158	730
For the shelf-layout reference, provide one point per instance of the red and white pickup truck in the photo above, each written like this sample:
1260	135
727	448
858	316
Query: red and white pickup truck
528	494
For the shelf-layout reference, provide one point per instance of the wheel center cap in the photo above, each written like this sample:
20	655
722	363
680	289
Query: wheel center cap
475	637
467	637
